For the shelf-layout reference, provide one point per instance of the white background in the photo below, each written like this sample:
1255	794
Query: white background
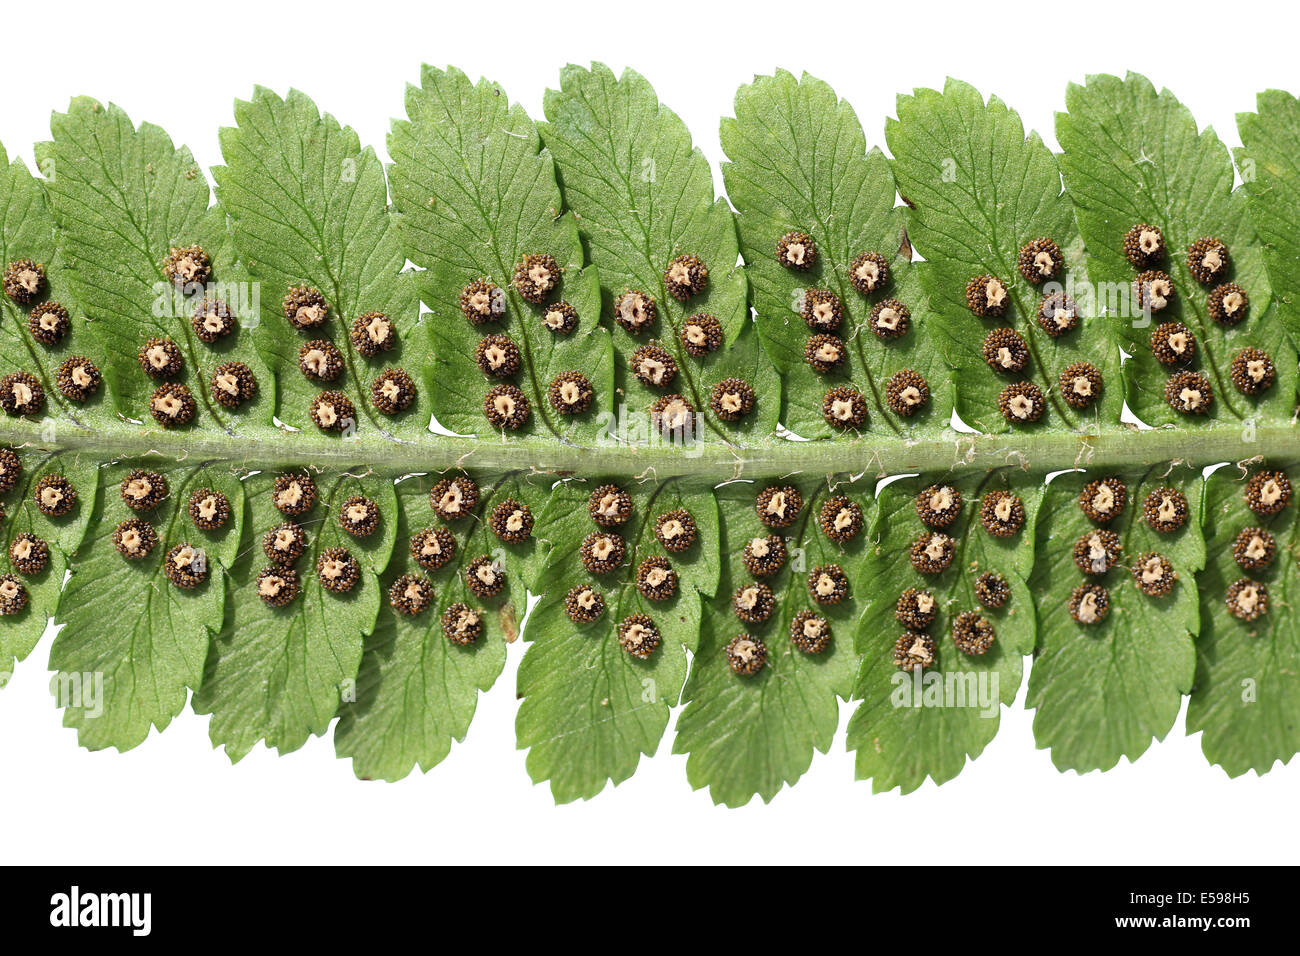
176	800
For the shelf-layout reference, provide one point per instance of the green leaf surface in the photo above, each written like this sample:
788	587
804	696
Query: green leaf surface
590	709
134	643
278	675
910	726
1134	155
1246	700
799	163
980	188
1103	691
747	736
643	196
476	194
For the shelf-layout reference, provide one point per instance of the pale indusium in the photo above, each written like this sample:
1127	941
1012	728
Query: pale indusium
665	414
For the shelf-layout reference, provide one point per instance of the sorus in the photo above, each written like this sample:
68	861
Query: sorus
938	506
208	509
869	272
987	296
337	570
484	577
1089	603
972	633
584	604
432	548
461	624
916	610
810	632
142	490
639	636
21	394
1103	499
778	506
685	276
233	383
656	579
1040	260
294	494
764	556
746	655
753	603
454	497
410	594
913	651
797	250
305	307
78	378
907	392
172	405
1268	492
1002	513
676	530
277	586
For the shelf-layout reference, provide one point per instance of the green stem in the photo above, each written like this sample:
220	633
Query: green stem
885	455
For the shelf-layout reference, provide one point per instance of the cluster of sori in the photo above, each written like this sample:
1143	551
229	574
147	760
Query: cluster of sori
29	554
321	361
826	350
1267	494
938	508
186	563
49	324
1007	351
1174	344
482	302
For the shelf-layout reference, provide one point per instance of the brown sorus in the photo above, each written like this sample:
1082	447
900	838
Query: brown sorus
764	555
305	307
1103	499
1040	260
333	411
890	319
1173	343
635	311
11	469
1254	548
753	603
372	333
1057	314
810	632
828	584
1080	384
277	585
639	636
1268	492
1089	603
701	334
1165	510
1154	574
685	276
656	579
1207	260
673	417
746	655
432	548
484	577
24	281
1189	393
187	266
320	360
1253	371
172	405
676	530
49	322
186	566
602	551
1246	600
461	624
914	650
825	353
13	594
233	383
135	538
907	392
29	554
212	320
560	317
571	393
78	378
1154	290
609	506
506	407
54	495
359	516
972	633
1002	513
653	365
511	521
454	497
821	310
536	276
1097	551
161	358
1021	403
796	250
844	407
208	509
481	301
987	296
938	506
916	610
778	505
285	543
392	391
584	604
294	494
142	490
410	594
869	272
992	590
1005	350
1144	245
931	552
732	399
1228	303
840	519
